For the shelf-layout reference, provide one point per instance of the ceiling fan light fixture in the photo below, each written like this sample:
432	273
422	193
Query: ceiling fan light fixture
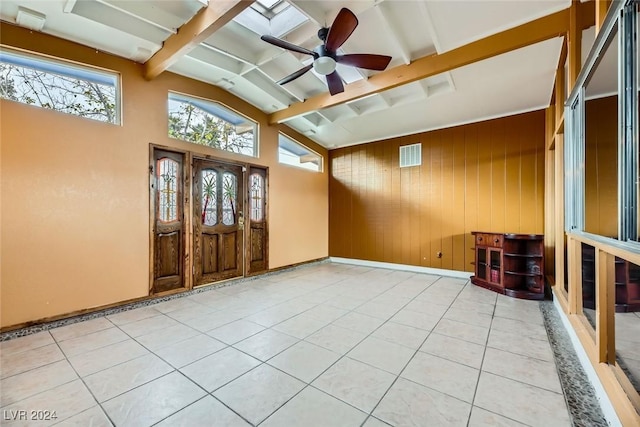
324	65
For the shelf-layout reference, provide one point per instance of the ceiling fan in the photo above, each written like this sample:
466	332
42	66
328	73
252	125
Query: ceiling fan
325	57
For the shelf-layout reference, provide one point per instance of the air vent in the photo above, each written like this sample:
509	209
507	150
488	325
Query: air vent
410	155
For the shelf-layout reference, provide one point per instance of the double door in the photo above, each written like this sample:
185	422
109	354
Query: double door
208	198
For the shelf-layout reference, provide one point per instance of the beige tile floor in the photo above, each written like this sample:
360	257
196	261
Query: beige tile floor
323	345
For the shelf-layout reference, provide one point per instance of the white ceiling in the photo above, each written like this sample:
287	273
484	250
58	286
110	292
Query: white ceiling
236	59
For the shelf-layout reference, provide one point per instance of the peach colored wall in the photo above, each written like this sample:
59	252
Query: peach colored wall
75	193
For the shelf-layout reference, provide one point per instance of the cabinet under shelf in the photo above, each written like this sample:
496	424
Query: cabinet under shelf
511	264
523	255
523	273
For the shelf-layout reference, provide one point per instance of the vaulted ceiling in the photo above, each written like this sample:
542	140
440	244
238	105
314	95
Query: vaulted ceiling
430	82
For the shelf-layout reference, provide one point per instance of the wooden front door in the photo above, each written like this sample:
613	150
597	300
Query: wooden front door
218	221
168	227
257	241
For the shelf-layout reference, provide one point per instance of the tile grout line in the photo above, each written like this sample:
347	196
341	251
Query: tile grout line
371	298
85	385
309	384
417	350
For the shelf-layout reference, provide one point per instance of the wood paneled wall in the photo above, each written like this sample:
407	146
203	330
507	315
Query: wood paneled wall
601	166
486	176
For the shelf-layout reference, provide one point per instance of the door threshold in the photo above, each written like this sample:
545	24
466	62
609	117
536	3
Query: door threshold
218	282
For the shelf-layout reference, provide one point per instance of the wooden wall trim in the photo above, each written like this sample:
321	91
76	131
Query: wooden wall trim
599	344
605	307
616	401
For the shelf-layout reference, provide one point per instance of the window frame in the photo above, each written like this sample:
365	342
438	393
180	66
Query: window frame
74	65
624	22
295	141
186	98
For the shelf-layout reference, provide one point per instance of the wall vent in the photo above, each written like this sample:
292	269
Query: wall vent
410	155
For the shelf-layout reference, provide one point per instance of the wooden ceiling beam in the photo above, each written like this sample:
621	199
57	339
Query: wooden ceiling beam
206	22
587	13
533	32
574	42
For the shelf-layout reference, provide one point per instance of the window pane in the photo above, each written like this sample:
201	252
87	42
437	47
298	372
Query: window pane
601	145
589	300
637	130
257	197
627	319
59	86
209	197
293	153
167	178
211	124
229	193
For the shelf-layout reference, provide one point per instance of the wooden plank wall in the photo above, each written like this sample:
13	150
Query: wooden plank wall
486	176
601	166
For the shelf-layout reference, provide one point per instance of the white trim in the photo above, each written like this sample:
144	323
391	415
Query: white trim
404	267
605	403
415	132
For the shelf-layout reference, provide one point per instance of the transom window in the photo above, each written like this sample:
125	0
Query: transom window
293	153
211	124
60	86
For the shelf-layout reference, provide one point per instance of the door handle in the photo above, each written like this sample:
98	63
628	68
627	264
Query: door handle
240	221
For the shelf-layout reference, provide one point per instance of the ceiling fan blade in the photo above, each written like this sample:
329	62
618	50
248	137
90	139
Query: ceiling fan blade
295	75
286	45
335	83
342	27
364	60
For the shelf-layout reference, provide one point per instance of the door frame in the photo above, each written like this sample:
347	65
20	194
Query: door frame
241	195
186	204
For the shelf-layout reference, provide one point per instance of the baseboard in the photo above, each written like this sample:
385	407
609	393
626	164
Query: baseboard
46	323
403	267
605	403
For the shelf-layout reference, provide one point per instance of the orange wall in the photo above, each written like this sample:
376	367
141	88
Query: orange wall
75	192
487	176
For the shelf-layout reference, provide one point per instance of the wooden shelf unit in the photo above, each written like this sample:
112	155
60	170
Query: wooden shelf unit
511	264
627	282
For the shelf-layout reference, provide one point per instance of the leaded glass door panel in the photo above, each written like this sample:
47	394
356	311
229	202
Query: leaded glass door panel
167	169
218	221
257	240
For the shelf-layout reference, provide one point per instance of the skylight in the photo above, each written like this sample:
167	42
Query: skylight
269	8
273	17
